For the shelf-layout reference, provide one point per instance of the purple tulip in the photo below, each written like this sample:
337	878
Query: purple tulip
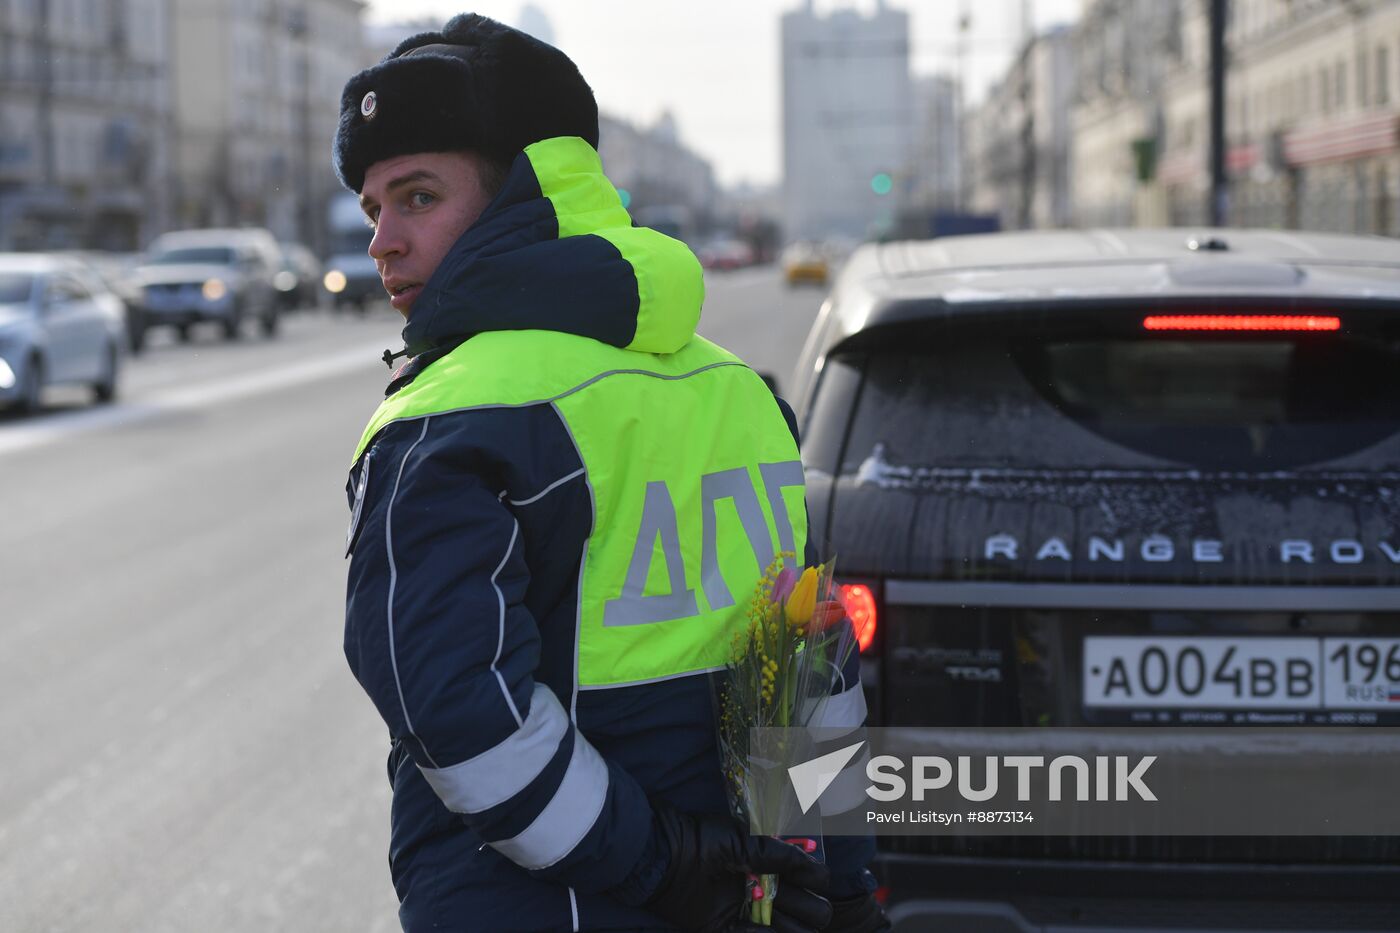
783	584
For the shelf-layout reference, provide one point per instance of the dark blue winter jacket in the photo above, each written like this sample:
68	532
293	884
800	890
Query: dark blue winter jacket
521	782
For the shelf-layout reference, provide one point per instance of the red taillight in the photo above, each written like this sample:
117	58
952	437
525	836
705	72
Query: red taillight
1248	322
860	606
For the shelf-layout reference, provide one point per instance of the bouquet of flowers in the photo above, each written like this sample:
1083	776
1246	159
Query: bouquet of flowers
780	673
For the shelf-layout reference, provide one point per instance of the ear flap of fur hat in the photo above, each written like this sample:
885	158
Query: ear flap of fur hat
477	85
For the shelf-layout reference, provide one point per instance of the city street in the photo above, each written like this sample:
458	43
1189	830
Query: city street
188	748
1106	439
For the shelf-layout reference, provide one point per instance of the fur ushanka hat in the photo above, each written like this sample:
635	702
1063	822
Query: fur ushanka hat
478	85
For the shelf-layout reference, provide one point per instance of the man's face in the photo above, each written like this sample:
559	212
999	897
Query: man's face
419	205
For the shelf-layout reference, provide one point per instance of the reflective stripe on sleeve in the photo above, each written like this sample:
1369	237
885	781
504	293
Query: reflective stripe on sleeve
844	711
501	772
568	816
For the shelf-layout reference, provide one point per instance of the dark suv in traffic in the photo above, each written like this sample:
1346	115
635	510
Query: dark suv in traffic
1119	478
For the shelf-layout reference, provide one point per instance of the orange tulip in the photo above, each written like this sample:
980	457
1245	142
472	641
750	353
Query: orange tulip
828	613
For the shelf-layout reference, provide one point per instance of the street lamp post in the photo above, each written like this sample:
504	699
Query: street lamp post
1219	184
960	105
44	49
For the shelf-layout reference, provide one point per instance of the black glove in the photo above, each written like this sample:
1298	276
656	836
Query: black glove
862	914
705	888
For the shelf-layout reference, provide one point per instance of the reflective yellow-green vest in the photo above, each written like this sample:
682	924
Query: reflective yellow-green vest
694	475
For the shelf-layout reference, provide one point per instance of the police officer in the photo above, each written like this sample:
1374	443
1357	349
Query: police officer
558	515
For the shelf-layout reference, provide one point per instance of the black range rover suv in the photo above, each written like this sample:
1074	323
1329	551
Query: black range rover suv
1119	478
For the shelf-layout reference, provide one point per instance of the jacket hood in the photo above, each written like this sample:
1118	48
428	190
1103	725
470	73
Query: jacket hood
556	250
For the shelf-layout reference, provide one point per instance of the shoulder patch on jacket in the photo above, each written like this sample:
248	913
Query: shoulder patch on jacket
357	510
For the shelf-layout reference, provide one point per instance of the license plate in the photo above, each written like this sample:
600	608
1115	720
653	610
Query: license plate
1241	673
170	300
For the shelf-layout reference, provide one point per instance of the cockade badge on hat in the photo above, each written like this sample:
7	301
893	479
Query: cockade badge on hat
369	106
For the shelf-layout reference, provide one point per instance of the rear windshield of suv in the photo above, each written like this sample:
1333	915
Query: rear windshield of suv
1220	403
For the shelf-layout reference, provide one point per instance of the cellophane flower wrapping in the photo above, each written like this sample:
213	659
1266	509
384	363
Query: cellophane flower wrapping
780	674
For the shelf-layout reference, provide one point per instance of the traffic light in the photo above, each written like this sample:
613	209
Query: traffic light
626	197
1145	158
881	183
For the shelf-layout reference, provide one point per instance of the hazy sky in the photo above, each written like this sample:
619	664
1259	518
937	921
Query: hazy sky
714	64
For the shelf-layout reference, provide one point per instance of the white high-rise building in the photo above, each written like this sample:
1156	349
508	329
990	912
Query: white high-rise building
535	21
847	121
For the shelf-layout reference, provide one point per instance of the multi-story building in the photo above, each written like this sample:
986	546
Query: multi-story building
1312	114
935	163
257	99
847	120
1020	168
535	21
667	185
1124	49
989	128
85	122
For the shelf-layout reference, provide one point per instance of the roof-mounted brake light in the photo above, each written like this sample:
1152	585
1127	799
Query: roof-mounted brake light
1242	322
